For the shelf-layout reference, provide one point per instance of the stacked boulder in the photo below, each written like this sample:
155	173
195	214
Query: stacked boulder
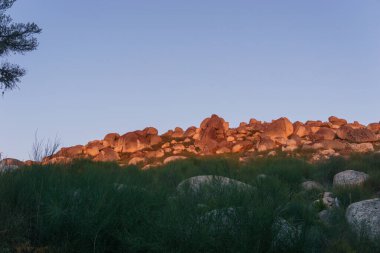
146	147
212	134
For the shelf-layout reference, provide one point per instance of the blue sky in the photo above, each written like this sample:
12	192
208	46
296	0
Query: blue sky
118	66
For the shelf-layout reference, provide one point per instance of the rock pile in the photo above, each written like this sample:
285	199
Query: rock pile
146	147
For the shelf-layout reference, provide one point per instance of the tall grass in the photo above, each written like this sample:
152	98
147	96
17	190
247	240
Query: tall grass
100	207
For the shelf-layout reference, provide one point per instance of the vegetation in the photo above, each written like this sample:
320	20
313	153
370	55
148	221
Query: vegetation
42	148
100	207
14	38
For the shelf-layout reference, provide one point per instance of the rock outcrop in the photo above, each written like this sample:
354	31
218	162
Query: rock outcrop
317	139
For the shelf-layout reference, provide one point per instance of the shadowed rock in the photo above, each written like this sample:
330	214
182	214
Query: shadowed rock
311	185
364	217
350	178
194	184
286	235
221	220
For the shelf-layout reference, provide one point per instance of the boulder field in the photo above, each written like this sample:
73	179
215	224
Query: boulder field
147	148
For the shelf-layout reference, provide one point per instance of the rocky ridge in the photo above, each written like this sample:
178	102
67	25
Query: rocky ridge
214	136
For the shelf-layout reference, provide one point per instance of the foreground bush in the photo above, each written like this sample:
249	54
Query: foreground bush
100	207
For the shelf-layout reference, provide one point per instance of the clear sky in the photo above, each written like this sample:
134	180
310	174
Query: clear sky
122	65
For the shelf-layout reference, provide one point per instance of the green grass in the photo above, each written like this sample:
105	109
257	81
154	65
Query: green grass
100	207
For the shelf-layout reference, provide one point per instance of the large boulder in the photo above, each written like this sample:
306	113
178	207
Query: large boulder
337	121
178	133
150	136
324	133
135	141
350	178
150	131
195	184
213	132
364	217
92	151
93	148
190	132
300	129
110	139
265	144
358	135
106	155
132	142
72	152
279	128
